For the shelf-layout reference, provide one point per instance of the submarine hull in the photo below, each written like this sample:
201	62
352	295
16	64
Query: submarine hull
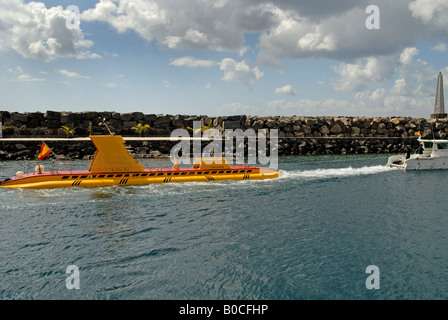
87	179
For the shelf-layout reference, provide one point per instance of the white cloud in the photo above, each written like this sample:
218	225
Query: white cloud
326	107
24	77
237	108
111	85
186	25
37	32
381	66
192	62
140	16
414	76
407	56
364	72
387	103
288	89
16	70
431	12
289	29
340	35
240	71
399	87
197	38
441	47
169	85
28	78
412	92
195	24
71	74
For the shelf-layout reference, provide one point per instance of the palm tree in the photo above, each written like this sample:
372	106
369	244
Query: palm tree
202	129
140	128
69	132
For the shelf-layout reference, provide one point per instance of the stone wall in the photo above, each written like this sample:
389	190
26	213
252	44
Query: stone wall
297	135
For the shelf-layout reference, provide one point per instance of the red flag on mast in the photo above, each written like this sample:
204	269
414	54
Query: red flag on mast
44	151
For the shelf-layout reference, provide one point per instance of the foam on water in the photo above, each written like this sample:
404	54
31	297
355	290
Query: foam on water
334	172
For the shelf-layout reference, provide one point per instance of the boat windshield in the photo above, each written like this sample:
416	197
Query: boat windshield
442	145
428	145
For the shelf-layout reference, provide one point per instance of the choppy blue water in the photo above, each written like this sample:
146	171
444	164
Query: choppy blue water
309	234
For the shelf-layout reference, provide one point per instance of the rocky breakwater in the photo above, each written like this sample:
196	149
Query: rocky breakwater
348	135
297	135
82	124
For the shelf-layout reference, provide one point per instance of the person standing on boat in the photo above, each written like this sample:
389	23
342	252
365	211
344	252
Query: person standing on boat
420	149
176	154
408	152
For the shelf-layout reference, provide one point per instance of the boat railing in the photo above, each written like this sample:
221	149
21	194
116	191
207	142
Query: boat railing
187	161
61	164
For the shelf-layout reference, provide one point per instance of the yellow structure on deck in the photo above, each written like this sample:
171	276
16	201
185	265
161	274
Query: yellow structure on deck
112	156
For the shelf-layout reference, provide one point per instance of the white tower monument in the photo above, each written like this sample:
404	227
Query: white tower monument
439	105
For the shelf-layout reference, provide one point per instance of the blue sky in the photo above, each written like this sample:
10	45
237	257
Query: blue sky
223	57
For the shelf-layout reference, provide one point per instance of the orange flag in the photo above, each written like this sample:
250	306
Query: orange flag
417	133
44	151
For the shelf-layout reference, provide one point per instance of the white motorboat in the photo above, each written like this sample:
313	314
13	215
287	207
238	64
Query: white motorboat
434	155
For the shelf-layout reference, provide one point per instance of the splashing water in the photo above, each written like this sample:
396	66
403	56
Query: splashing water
334	172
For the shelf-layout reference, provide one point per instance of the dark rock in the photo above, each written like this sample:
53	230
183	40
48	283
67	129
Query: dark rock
336	128
105	115
53	123
53	115
15	116
33	123
138	116
116	115
324	130
3	155
311	122
282	123
126	117
129	124
257	124
77	116
20	147
271	124
162	121
232	124
91	115
150	117
238	118
67	117
115	123
178	122
4	115
23	154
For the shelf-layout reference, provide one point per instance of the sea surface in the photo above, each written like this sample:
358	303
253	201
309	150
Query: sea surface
310	234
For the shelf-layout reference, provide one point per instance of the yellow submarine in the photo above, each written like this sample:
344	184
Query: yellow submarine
112	165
